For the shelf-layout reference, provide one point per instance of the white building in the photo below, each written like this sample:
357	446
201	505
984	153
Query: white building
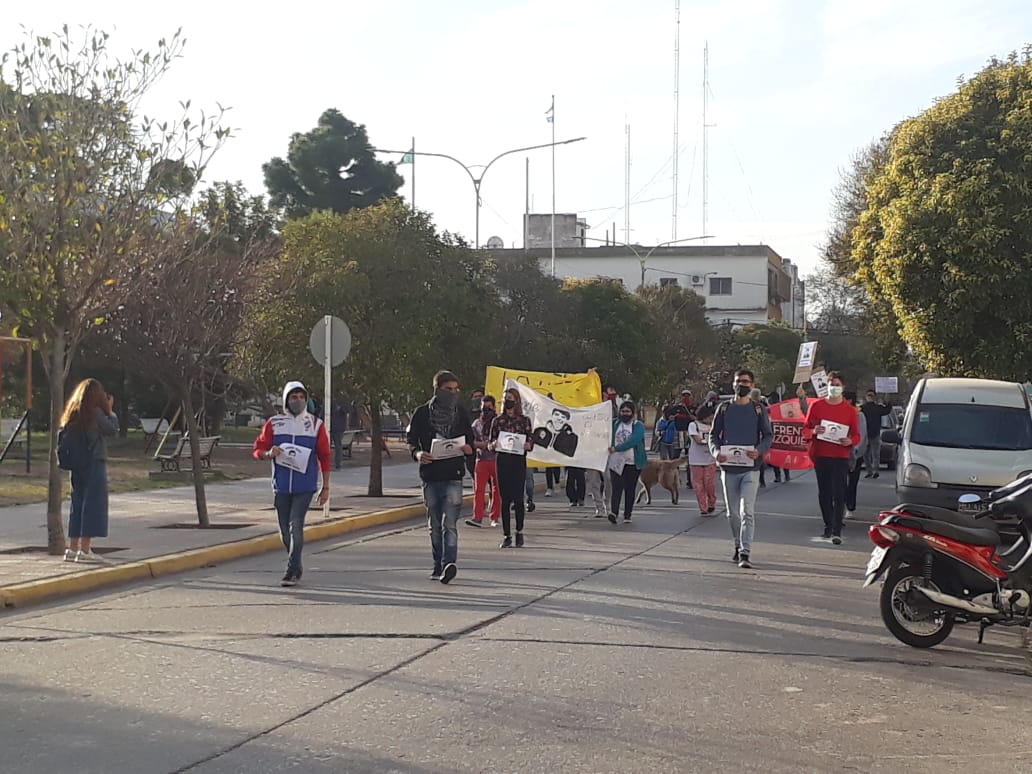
742	284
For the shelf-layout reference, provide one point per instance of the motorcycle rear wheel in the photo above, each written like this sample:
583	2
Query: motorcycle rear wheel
911	627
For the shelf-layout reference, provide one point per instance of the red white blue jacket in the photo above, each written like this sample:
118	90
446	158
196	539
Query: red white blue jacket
301	430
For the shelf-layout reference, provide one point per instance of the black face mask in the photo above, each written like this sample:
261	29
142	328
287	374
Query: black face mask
743	390
509	403
626	417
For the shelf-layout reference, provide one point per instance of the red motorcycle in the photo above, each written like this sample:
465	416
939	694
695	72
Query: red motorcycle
941	573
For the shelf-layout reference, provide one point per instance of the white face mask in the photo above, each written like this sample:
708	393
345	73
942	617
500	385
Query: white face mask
835	391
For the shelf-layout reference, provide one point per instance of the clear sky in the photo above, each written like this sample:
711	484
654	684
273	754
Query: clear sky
796	86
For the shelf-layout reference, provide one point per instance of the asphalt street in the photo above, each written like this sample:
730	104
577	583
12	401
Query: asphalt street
596	648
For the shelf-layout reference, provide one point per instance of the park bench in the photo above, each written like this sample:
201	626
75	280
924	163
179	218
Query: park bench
170	461
153	428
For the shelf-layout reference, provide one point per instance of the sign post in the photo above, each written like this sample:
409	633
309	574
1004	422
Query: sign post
330	345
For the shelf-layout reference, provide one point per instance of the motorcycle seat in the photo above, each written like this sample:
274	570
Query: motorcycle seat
974	537
940	514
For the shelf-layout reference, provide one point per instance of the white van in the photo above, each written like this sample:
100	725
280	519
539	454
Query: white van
960	436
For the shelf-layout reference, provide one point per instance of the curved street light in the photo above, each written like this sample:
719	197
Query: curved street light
474	178
643	259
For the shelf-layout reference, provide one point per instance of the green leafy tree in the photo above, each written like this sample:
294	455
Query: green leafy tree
769	351
413	298
685	339
331	167
83	179
946	236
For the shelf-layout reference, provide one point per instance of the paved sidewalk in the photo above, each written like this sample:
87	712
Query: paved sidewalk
143	524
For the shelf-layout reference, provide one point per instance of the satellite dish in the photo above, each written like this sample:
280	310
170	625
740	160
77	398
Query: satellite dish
495	243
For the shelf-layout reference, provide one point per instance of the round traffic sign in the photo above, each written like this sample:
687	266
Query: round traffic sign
340	341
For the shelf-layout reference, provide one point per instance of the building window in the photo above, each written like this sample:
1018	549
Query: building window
664	281
720	286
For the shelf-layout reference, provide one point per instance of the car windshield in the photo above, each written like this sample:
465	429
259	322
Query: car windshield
962	426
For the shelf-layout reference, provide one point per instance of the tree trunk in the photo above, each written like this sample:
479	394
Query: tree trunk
195	459
376	453
122	406
57	378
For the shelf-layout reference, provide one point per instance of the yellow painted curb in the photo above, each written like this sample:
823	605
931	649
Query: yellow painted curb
23	594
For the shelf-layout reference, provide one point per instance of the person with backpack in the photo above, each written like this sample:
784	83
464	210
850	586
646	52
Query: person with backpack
626	460
88	418
667	429
740	436
299	449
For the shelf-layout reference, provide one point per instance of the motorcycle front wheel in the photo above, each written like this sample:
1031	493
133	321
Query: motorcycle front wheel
911	625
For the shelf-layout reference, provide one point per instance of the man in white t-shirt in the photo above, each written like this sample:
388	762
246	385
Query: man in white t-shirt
701	462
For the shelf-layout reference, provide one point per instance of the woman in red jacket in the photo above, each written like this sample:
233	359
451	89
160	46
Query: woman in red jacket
834	430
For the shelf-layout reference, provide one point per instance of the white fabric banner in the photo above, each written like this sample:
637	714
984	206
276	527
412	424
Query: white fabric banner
573	437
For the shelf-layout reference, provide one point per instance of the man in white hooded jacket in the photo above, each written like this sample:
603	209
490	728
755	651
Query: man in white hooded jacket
289	440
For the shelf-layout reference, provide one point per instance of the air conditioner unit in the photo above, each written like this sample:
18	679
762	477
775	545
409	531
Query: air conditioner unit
697	279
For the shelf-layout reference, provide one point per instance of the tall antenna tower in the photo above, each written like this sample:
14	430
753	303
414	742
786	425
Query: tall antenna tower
705	138
627	186
677	110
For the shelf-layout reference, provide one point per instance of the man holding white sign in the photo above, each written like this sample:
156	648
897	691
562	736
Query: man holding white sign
741	435
288	439
440	436
832	424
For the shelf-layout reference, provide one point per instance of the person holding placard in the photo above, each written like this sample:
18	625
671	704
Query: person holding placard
511	438
288	439
873	412
833	427
740	436
626	461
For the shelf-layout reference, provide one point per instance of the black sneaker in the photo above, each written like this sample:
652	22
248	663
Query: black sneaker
530	506
627	520
474	522
868	475
826	535
506	542
612	518
743	562
449	572
875	475
736	556
836	539
436	573
519	540
289	580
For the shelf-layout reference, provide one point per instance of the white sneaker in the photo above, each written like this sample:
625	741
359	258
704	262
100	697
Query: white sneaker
494	523
89	556
548	493
848	515
70	555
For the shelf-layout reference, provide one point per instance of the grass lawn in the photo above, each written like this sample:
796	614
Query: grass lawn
128	466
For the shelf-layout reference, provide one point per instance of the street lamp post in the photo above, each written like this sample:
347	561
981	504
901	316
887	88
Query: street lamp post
474	178
643	260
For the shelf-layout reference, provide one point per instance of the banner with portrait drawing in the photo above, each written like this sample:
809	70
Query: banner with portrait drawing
577	437
789	450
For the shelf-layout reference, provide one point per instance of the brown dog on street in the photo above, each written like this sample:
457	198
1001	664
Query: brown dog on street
662	472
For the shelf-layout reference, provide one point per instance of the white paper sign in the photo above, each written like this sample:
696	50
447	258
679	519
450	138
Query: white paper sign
736	455
511	443
566	435
833	431
294	457
886	384
446	448
807	350
820	383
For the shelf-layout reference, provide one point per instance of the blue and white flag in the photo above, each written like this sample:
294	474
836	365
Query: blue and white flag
550	113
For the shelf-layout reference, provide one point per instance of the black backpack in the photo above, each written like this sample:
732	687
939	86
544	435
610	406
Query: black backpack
74	450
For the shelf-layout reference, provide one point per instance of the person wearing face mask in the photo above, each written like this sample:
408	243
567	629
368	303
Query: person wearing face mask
512	463
626	460
289	440
743	423
832	425
485	471
442	418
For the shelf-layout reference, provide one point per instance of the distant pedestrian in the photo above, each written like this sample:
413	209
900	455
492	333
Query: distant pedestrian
486	472
442	418
88	418
856	458
299	448
833	429
873	411
340	414
741	423
702	463
512	462
667	428
626	460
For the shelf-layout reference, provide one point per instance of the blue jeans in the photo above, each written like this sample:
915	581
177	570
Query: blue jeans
443	501
291	510
740	499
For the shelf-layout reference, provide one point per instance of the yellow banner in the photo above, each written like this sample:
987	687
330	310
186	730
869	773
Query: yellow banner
573	390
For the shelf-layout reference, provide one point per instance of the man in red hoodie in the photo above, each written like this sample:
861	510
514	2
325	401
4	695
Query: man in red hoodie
834	430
